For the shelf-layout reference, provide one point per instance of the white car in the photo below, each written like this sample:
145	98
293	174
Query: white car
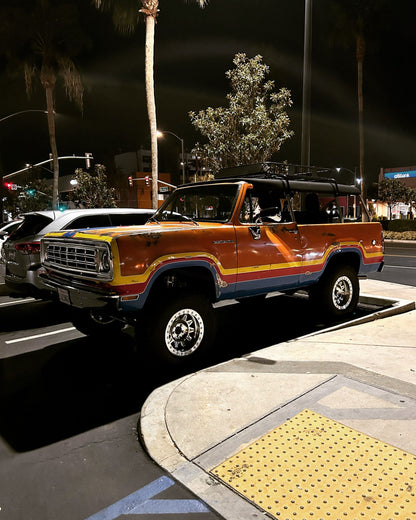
22	250
7	229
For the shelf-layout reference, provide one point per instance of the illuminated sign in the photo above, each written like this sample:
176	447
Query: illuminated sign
400	175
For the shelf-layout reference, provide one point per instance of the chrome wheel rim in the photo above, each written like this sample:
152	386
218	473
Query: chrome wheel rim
342	293
184	332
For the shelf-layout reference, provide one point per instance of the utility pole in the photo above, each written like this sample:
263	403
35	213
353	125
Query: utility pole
306	104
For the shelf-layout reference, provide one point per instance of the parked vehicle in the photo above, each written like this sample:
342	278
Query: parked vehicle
249	232
6	229
22	249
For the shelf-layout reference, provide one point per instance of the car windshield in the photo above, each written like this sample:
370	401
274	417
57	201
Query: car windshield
206	203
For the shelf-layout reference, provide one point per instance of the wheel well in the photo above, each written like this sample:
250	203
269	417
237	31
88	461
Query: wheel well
351	259
198	279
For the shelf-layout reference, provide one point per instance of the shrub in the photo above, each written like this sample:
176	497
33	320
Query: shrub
399	225
404	235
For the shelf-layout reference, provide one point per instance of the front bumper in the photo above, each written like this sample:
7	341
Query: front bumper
77	295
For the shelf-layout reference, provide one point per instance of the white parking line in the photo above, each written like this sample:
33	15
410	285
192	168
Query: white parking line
400	267
36	336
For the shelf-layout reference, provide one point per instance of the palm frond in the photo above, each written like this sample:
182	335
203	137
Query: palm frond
72	81
29	73
125	13
201	3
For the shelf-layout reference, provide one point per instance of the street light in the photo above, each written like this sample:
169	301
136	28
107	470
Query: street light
87	157
160	134
22	112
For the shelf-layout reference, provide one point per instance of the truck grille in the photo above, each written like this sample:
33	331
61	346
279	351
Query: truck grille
74	257
80	259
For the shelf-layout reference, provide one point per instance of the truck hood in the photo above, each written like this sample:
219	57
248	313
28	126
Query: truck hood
108	234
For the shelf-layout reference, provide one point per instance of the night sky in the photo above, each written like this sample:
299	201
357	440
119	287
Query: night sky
193	50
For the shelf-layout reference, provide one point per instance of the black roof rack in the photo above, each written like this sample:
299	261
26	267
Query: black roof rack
288	172
274	170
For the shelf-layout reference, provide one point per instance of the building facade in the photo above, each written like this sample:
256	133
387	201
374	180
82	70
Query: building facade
405	174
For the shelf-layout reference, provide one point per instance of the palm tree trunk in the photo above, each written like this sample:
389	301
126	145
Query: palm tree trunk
52	140
151	103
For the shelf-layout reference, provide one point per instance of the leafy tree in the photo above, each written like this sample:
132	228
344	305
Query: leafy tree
8	202
33	193
392	191
253	125
36	195
410	198
125	18
91	190
42	37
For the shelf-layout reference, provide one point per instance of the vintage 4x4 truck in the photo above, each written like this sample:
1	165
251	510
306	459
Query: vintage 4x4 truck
249	232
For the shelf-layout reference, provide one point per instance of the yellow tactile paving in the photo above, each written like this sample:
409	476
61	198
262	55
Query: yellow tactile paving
312	467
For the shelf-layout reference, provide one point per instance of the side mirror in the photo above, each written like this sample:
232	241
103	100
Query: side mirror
255	232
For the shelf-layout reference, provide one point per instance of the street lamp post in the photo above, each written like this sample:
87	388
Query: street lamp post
306	101
160	134
22	112
88	157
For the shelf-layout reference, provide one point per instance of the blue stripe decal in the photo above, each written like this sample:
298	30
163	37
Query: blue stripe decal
141	503
264	285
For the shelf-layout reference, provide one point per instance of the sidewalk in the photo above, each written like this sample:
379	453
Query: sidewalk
319	427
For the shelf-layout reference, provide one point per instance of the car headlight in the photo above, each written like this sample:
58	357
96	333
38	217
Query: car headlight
105	262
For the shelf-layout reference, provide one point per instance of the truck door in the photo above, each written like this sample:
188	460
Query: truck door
268	244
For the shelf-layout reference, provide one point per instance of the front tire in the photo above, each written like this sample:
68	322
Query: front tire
182	331
338	291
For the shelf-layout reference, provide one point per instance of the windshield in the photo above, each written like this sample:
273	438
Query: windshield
207	203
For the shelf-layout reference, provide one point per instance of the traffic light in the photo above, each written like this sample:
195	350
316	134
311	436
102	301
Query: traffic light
88	157
147	180
130	180
8	185
31	192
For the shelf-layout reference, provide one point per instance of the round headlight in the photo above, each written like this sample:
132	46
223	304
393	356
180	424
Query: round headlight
105	264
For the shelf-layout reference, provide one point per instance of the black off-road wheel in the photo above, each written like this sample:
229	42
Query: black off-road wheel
338	292
180	331
92	323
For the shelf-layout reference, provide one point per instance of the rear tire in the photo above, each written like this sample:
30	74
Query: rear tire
181	331
338	291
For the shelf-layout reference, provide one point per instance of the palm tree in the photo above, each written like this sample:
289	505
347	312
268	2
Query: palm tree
44	36
125	18
355	20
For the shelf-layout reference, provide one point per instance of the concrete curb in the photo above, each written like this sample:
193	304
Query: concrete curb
153	427
392	308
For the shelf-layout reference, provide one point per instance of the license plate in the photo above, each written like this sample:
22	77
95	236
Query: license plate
64	296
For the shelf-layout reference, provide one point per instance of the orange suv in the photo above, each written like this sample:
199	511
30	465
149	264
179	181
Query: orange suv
249	232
